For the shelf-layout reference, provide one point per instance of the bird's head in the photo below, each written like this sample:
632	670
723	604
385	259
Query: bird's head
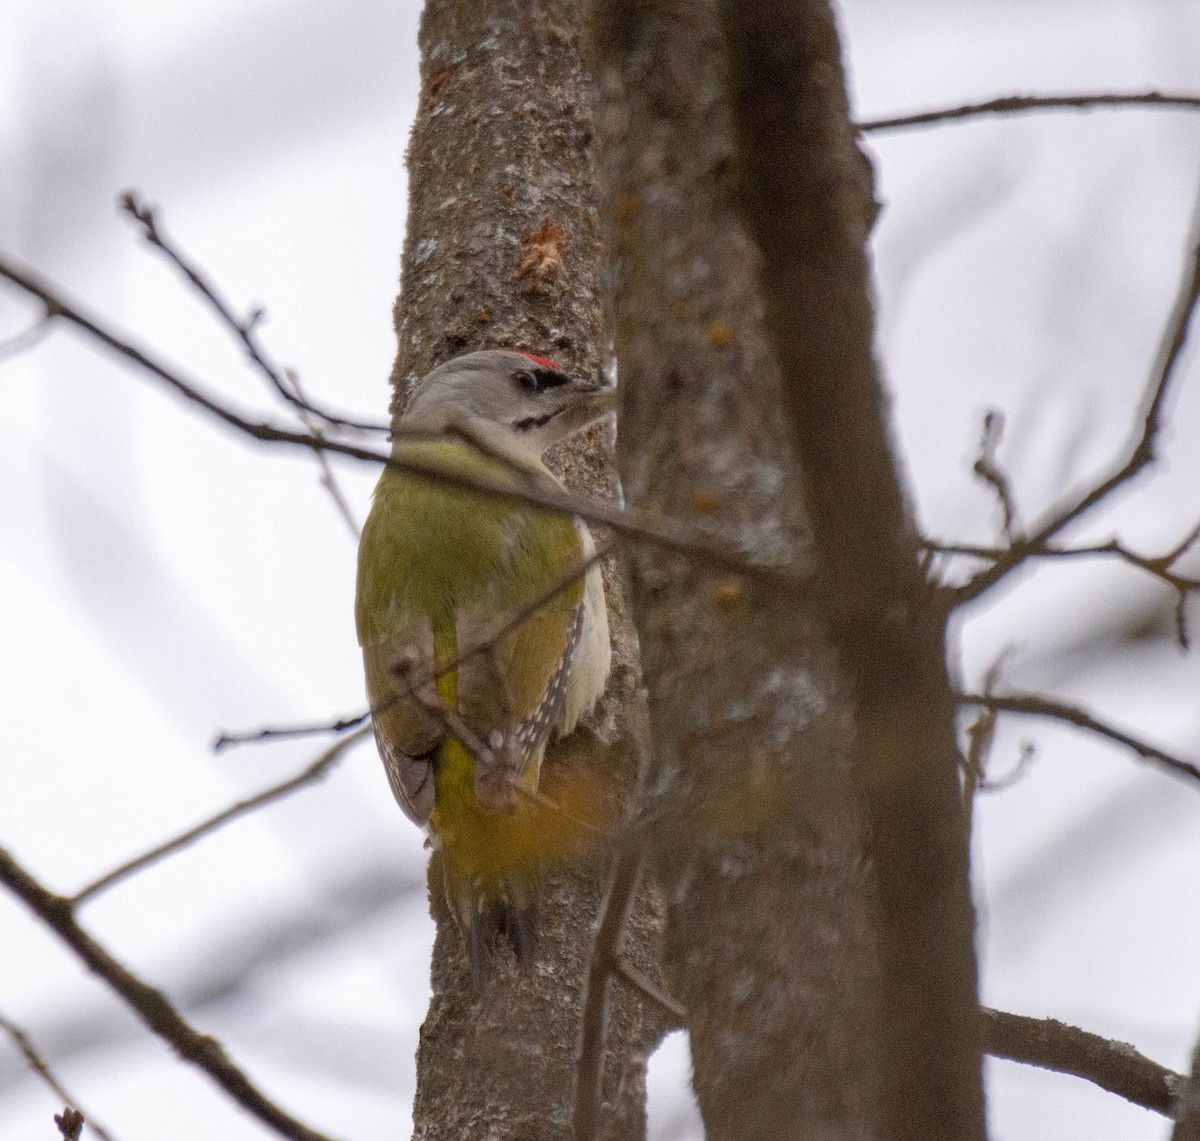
517	402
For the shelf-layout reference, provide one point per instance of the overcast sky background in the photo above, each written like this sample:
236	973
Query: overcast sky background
163	579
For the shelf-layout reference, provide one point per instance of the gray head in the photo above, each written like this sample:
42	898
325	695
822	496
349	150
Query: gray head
517	402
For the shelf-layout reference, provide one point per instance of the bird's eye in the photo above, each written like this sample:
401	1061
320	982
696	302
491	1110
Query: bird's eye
526	380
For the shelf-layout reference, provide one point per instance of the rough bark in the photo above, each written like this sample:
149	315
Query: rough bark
808	206
756	836
501	250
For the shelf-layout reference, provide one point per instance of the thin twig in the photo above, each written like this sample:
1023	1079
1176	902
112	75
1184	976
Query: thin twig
1113	1066
981	737
309	775
483	751
418	687
540	798
699	542
39	1066
668	1004
980	734
328	479
522	613
245	329
1035	705
1010	104
607	958
416	681
514	619
1141	450
1025	755
226	740
27	339
449	720
150	1005
225	961
988	468
1159	566
606	950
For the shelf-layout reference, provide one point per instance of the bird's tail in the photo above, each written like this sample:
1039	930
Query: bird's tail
502	915
494	860
495	914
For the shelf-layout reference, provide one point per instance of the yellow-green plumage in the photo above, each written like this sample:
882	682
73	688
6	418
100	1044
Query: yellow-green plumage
441	569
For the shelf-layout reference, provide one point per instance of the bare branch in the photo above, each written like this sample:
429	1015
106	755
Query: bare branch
606	950
150	1005
309	775
1010	104
1035	705
223	966
701	543
1141	450
245	329
1114	1066
38	1065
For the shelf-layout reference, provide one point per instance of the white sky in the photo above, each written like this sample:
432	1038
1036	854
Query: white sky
166	580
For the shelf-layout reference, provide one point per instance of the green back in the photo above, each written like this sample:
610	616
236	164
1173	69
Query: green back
428	549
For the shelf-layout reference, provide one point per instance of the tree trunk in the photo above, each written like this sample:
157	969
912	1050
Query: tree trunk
501	249
1187	1127
757	836
809	207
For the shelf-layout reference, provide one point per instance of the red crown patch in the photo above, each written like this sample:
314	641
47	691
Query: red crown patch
545	362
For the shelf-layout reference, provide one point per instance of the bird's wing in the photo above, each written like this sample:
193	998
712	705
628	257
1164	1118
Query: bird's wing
410	778
406	731
516	689
442	568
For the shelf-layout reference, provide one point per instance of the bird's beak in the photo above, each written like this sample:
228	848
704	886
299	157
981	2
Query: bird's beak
596	400
585	403
601	397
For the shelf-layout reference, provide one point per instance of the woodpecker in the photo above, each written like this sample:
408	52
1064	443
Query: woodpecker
480	638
